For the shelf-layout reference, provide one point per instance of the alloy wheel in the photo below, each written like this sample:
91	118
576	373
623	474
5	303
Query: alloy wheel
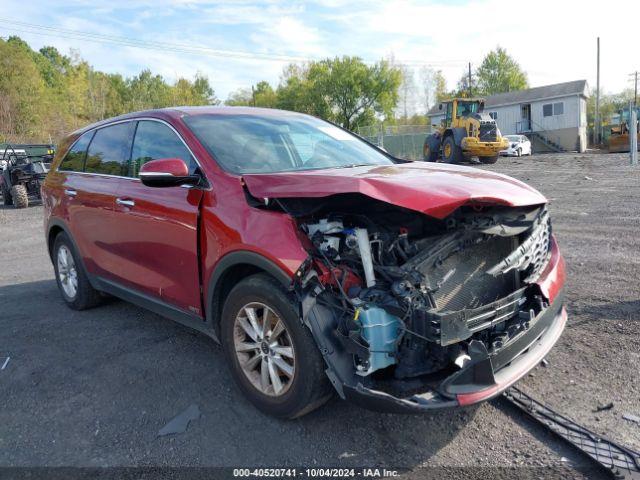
67	273
264	349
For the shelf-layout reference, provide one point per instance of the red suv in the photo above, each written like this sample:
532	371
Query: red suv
317	260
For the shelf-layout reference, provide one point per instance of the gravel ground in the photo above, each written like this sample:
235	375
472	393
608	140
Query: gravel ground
93	388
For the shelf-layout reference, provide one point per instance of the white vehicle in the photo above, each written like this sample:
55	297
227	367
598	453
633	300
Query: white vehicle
518	145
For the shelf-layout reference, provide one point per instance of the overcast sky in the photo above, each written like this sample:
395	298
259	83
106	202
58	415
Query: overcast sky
554	40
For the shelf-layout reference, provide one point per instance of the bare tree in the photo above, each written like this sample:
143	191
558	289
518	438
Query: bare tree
407	92
427	87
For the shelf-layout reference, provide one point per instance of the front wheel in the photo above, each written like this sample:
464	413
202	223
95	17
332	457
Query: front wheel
20	196
488	160
272	355
451	153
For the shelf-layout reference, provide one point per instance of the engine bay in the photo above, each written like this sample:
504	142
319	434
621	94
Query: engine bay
408	296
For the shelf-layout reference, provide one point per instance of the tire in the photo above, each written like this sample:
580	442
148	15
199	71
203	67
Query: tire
429	155
85	296
19	196
303	390
451	153
488	160
6	196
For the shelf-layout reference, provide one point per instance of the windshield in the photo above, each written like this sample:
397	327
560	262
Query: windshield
466	108
266	144
513	138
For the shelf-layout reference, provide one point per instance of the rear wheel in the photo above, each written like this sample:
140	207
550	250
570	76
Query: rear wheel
272	355
73	282
451	153
489	160
20	196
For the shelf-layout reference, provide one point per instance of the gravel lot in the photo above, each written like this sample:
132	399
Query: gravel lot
93	388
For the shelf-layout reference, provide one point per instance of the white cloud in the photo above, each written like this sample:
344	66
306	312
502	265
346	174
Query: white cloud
553	40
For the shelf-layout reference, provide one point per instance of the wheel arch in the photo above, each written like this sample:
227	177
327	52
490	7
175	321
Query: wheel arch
231	269
55	228
458	134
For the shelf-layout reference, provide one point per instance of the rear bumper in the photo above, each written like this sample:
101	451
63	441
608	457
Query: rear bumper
481	378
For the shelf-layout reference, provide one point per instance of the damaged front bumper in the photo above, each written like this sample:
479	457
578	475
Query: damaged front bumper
483	376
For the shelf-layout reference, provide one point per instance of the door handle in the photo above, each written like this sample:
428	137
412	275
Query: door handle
70	192
126	203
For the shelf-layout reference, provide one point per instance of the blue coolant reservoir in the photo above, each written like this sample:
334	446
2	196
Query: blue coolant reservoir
381	330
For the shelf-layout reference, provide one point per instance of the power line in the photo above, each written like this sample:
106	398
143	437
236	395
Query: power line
44	30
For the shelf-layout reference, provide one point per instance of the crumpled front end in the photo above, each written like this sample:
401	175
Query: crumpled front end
413	313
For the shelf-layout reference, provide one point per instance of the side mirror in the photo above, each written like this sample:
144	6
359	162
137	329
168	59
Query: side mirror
167	172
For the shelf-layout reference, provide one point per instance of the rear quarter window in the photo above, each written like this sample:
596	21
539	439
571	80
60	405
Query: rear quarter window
74	159
110	149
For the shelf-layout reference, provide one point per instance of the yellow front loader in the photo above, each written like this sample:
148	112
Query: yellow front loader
466	132
619	139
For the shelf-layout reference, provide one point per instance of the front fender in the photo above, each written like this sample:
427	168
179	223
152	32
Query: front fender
227	262
458	134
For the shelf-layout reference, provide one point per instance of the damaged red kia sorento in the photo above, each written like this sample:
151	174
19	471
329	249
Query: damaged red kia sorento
318	261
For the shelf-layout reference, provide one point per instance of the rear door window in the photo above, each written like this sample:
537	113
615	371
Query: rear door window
110	149
155	140
74	159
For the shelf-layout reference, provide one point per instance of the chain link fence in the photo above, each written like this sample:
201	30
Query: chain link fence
402	141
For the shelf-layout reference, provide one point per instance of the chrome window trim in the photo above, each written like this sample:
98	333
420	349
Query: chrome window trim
137	119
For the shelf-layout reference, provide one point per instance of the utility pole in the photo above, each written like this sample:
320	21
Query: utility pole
596	120
633	135
253	95
635	88
469	80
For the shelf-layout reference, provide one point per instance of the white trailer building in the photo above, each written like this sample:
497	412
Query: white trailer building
554	117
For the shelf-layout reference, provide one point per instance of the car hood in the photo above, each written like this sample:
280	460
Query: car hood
434	189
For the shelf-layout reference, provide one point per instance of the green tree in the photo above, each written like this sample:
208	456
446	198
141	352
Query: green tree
296	92
146	91
355	92
22	92
499	73
203	92
260	95
264	95
44	94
